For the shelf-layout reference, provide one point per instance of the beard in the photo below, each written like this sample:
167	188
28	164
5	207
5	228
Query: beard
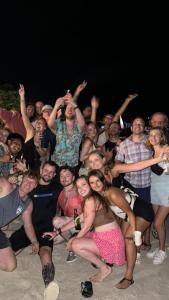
46	179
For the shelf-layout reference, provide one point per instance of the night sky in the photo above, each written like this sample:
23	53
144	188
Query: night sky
118	50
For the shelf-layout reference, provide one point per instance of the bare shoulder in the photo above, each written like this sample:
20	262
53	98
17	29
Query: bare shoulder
114	191
5	186
89	202
89	199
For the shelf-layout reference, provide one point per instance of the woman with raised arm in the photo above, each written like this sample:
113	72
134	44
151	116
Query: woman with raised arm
33	150
143	211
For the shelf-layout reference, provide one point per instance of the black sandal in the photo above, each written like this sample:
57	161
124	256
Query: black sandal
131	281
86	289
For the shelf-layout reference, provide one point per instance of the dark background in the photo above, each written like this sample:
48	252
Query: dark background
51	47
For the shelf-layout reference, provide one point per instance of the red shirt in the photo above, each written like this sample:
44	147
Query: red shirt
67	202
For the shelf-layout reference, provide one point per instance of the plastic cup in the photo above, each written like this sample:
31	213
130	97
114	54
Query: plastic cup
137	238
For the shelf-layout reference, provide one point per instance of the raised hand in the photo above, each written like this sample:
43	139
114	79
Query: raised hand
95	102
20	165
132	96
80	88
21	90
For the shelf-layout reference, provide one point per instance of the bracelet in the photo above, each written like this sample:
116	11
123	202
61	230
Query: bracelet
75	107
130	238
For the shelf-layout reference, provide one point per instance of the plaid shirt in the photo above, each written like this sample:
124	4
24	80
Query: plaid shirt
130	152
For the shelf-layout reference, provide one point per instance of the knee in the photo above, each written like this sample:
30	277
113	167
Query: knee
76	246
157	225
10	266
55	222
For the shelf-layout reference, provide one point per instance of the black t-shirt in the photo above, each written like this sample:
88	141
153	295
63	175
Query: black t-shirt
44	199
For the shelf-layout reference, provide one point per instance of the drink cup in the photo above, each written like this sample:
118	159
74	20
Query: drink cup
137	238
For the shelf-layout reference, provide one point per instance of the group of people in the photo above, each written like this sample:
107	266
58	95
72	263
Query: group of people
119	186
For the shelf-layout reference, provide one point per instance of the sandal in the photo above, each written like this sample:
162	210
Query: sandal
86	289
129	281
145	246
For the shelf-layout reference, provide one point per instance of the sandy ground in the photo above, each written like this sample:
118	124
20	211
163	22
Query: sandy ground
151	281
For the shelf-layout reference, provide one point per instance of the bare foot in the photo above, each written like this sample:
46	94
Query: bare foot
101	275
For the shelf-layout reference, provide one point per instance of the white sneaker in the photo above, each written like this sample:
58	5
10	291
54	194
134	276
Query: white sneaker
51	291
159	257
138	258
151	254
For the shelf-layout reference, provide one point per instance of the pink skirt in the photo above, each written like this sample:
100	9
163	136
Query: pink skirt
110	244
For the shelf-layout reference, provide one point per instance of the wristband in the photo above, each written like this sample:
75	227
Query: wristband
75	107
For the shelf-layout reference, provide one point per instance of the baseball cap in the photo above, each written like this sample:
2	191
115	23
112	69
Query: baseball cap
47	107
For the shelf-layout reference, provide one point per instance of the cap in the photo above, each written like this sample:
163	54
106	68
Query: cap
47	107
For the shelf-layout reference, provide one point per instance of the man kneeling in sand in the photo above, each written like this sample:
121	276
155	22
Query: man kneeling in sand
14	201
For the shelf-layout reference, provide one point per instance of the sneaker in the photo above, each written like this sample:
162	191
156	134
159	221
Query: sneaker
138	258
159	257
154	233
151	254
71	257
51	291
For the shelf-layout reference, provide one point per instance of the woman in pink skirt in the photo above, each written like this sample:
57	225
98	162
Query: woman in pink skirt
100	239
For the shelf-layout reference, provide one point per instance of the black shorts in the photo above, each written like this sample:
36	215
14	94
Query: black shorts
4	241
143	210
20	240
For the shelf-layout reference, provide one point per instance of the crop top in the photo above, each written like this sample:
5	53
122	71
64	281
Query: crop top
103	216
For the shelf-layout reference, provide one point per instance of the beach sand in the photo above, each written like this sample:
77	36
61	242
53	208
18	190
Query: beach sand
151	281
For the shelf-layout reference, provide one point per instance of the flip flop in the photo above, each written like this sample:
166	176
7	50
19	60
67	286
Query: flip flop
130	281
51	291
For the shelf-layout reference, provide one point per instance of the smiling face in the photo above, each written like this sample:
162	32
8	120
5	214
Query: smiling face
82	187
96	162
66	177
137	127
48	172
91	130
15	146
28	184
96	184
157	137
40	125
69	112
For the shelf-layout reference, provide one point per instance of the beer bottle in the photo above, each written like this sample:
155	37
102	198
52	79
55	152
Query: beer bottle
77	220
62	116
